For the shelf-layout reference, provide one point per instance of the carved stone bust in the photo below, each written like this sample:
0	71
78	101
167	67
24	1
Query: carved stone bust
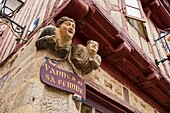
85	58
57	38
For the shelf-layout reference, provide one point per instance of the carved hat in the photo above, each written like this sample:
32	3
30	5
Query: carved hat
63	19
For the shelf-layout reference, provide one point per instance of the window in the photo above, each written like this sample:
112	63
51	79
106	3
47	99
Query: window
133	9
97	102
33	25
87	109
135	17
140	27
91	106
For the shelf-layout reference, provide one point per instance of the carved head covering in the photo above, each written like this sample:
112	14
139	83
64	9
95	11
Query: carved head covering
63	19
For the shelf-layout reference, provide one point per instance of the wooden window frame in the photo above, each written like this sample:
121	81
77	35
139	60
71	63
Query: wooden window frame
140	9
104	103
144	32
97	106
144	35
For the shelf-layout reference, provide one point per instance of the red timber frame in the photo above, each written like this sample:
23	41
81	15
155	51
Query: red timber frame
158	11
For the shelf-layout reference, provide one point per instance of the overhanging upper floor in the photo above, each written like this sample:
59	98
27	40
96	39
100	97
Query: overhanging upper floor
159	12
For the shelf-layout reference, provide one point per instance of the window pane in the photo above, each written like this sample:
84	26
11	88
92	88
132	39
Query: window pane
86	109
98	111
33	26
133	3
140	27
133	12
102	3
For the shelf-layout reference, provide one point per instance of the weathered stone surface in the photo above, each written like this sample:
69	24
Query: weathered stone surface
30	94
23	92
55	101
25	109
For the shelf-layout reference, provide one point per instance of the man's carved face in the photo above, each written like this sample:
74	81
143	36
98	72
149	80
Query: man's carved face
93	47
67	29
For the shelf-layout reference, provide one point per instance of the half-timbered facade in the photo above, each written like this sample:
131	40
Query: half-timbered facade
134	76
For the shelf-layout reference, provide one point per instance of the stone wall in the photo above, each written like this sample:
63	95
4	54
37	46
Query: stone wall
23	91
104	82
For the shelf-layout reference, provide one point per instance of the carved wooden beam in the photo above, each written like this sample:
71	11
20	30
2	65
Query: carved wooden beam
158	7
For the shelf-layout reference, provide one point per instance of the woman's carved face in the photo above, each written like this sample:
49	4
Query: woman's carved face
67	29
93	47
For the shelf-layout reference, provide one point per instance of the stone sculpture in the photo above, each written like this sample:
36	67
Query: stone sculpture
57	39
85	58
